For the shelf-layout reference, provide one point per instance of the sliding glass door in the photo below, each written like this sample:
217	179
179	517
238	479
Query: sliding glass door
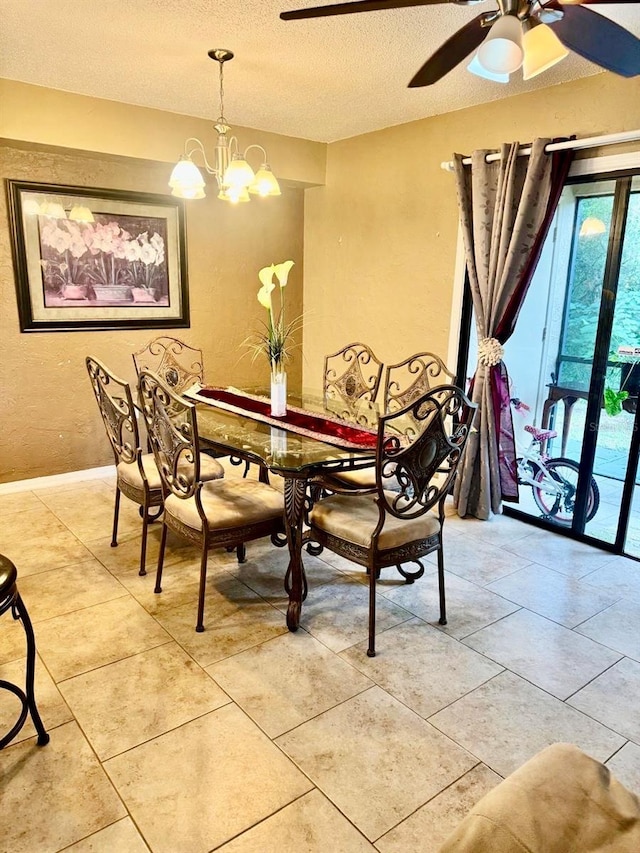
574	366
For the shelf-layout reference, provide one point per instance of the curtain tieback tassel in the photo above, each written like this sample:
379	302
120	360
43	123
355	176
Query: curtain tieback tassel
490	352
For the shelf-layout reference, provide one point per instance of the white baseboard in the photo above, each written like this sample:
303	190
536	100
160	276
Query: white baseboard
57	480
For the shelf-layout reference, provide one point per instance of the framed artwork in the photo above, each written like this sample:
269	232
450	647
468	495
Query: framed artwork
97	259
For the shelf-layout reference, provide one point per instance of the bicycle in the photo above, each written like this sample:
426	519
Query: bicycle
554	481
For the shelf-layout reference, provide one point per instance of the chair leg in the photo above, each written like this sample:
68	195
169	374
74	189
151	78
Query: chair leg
373	574
443	605
163	542
203	583
116	511
43	737
241	551
143	545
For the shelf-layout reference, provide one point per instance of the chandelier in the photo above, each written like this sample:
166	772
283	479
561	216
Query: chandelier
234	176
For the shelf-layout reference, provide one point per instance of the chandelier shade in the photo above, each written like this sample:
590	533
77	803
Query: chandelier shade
233	174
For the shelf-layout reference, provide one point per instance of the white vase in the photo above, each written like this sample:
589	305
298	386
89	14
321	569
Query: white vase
278	394
278	442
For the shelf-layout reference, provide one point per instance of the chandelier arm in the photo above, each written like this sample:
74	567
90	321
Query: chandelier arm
189	152
259	147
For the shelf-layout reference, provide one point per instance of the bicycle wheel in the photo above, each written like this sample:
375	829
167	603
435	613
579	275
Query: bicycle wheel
555	491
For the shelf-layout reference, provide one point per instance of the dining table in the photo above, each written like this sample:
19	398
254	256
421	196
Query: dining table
317	436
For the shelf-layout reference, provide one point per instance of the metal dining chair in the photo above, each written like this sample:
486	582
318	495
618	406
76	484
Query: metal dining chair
404	382
174	361
137	476
352	374
224	513
376	527
179	366
407	380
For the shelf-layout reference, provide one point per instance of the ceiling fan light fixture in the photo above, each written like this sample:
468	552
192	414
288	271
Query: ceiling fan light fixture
501	52
542	50
475	67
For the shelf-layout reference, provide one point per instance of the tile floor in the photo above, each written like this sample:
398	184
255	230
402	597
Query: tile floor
249	738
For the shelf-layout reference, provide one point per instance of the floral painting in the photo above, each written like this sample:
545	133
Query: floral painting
97	258
105	261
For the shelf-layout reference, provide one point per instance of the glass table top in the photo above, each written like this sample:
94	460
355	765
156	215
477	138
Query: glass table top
279	448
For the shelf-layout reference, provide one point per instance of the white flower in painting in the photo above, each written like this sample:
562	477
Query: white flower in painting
132	251
61	241
118	248
147	254
157	242
77	246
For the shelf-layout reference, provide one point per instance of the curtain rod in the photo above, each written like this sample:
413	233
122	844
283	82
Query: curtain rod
587	142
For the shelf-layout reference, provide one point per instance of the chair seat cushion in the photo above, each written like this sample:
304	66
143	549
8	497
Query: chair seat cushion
362	478
354	518
210	469
229	503
129	472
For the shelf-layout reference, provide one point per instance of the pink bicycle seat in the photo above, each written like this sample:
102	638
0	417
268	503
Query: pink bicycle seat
541	434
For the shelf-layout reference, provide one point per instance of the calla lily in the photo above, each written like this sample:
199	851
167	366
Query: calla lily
266	275
264	294
282	272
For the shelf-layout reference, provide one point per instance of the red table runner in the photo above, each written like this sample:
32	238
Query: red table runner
329	430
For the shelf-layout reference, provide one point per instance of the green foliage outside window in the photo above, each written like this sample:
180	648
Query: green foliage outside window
585	294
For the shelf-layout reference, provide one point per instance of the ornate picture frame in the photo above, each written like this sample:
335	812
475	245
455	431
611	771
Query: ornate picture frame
88	258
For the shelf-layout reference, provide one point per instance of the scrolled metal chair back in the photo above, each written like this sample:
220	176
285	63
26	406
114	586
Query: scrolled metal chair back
173	434
115	402
409	379
175	362
351	374
425	439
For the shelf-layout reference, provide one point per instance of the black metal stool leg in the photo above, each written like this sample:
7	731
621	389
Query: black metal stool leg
10	600
43	736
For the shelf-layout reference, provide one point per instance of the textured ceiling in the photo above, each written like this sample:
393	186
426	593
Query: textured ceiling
323	79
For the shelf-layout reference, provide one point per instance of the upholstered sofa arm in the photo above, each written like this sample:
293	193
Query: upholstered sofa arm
560	801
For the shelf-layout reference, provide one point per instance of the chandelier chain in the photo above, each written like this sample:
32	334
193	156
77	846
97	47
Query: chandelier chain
222	90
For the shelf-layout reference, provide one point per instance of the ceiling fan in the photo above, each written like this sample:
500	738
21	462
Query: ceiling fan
533	34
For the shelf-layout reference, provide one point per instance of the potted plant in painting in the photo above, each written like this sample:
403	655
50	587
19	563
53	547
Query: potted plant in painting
146	256
63	271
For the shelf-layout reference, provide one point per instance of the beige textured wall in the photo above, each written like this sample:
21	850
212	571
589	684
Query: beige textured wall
50	117
49	421
380	236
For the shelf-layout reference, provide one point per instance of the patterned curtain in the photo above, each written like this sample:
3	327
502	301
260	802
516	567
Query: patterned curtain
506	207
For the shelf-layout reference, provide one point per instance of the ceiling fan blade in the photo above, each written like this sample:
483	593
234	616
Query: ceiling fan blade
598	39
590	2
357	6
453	51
